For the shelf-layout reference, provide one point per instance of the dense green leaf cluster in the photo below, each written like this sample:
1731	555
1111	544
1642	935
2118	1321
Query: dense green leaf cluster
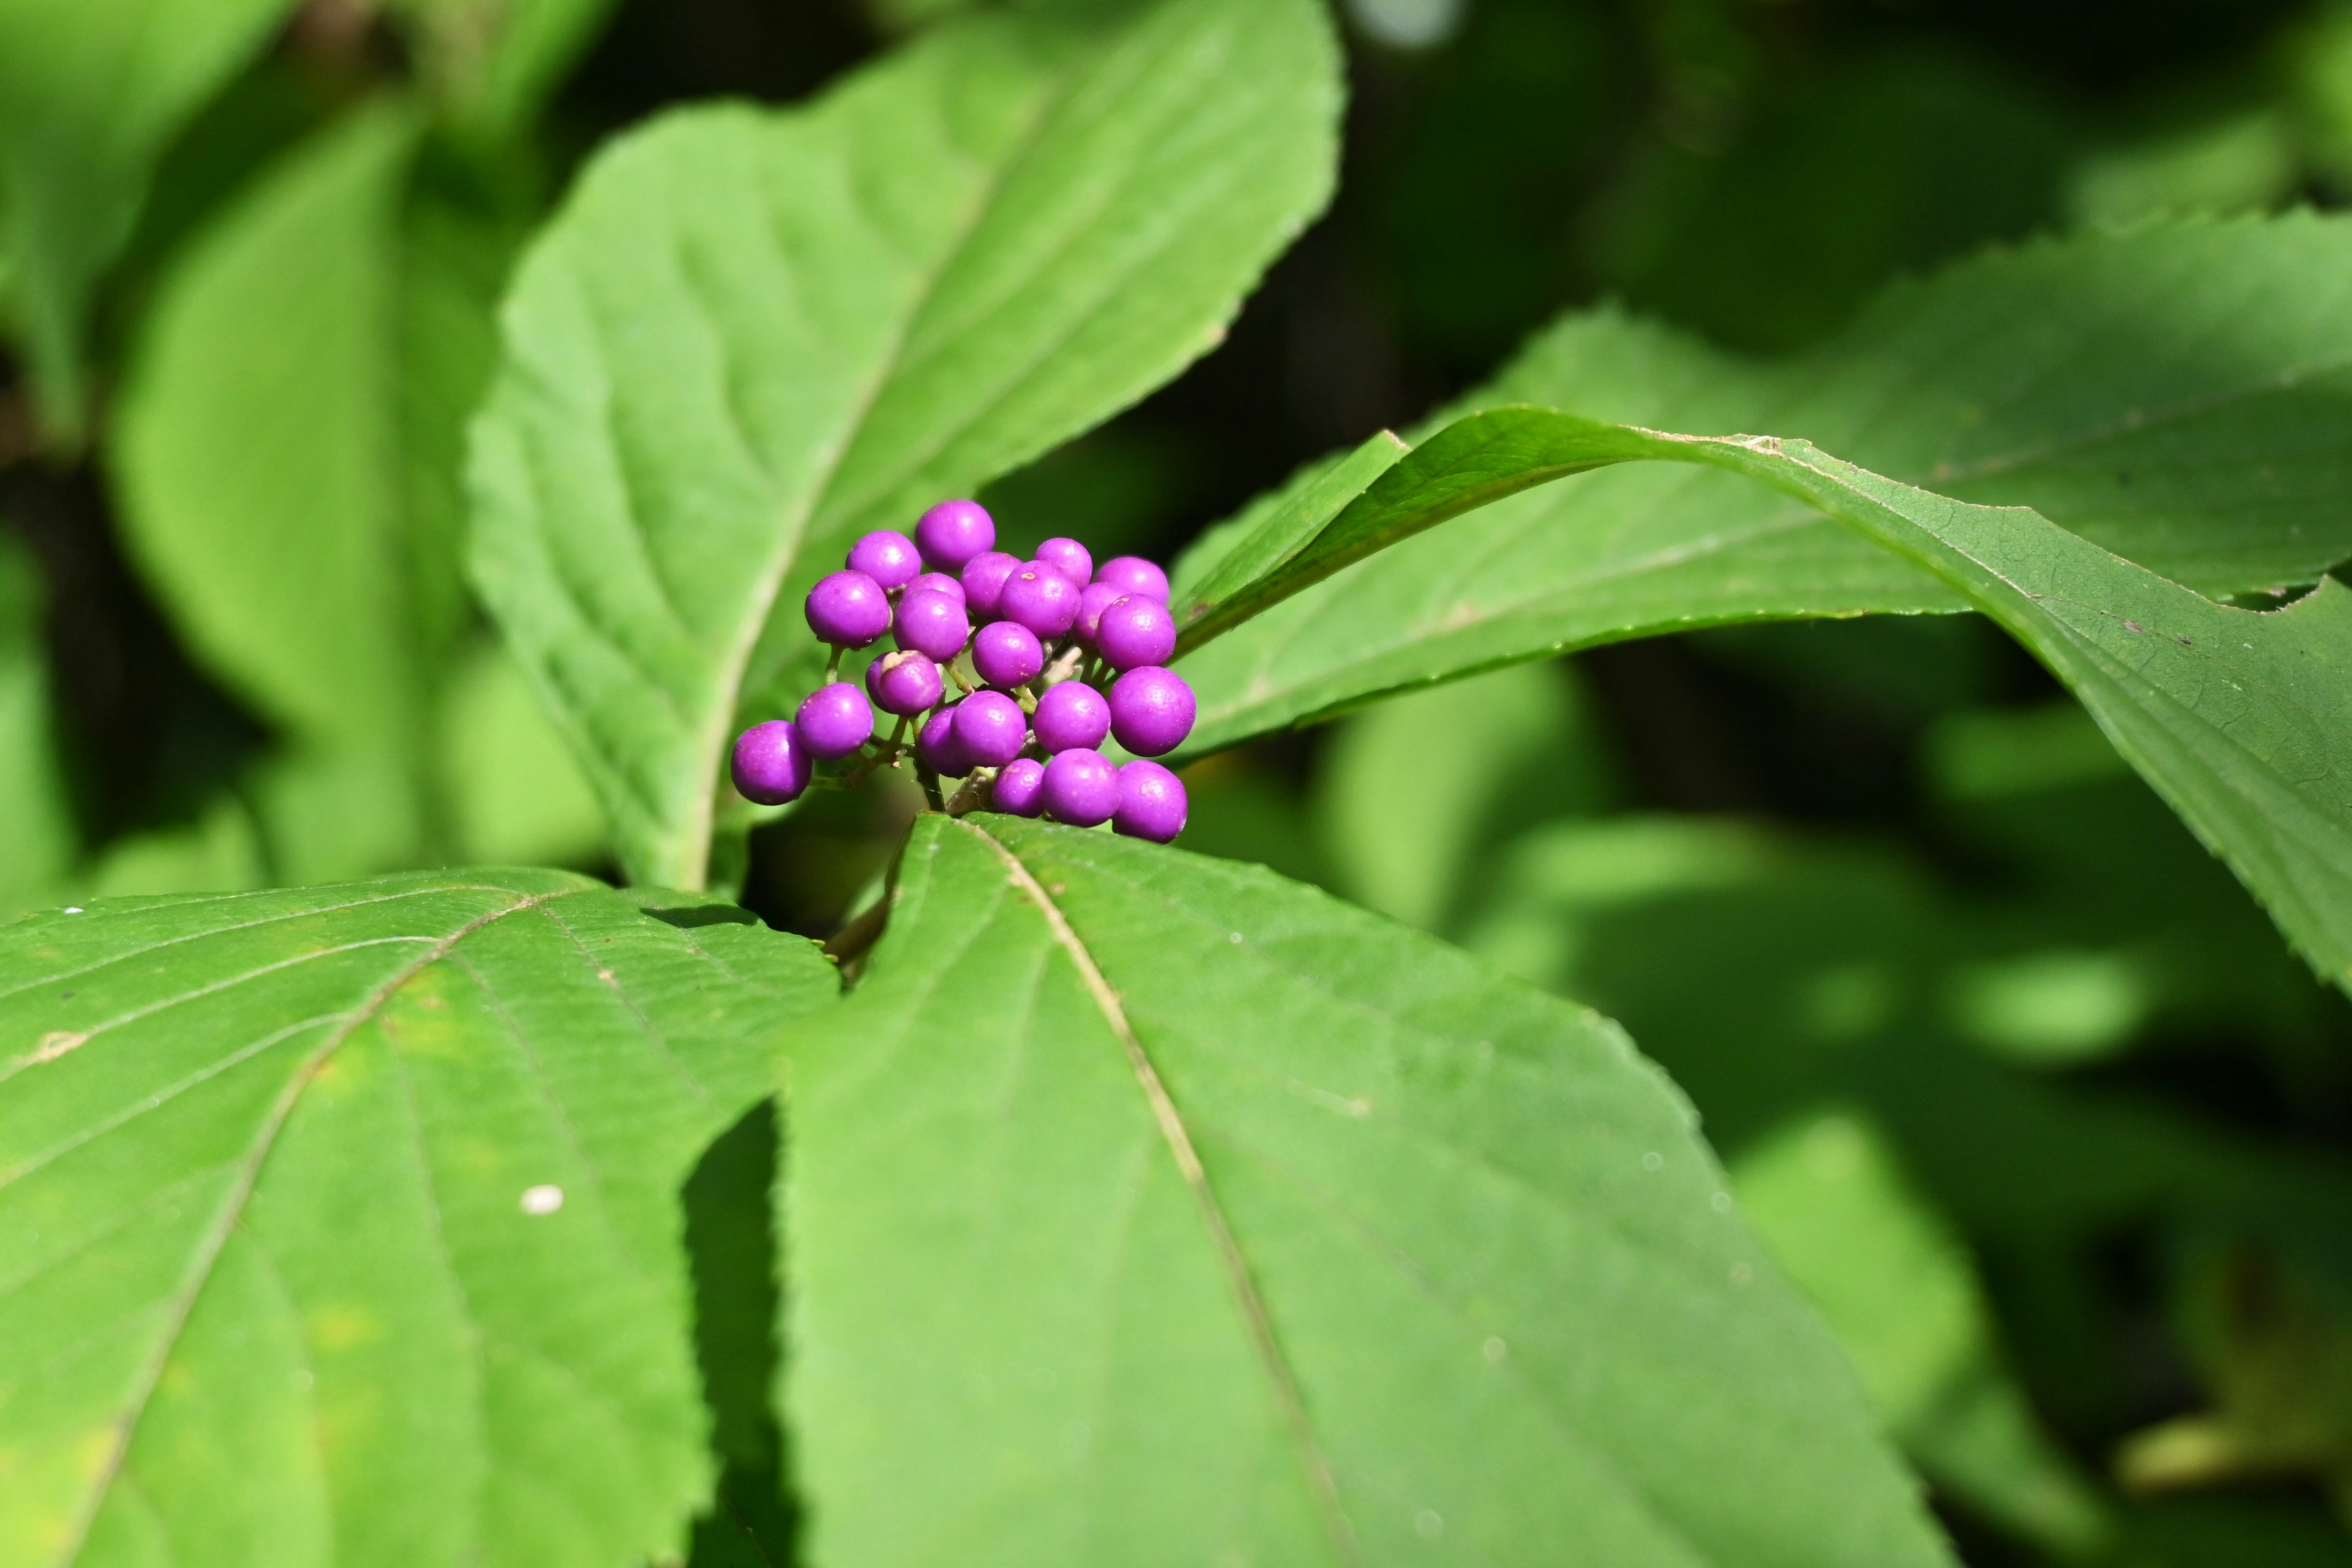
1083	1201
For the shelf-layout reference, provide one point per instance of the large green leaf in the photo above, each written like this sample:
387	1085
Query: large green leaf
90	91
2241	720
1146	1209
343	1222
2176	395
751	336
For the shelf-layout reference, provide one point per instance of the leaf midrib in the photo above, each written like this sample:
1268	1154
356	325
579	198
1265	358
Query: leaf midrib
1174	1133
232	1208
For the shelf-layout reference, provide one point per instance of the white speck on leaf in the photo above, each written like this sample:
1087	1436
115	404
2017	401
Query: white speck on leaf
76	908
1236	938
55	1044
544	1199
1654	1161
1722	1202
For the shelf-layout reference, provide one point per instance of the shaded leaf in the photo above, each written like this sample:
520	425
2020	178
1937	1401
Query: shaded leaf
751	336
2170	393
345	1219
493	62
1148	1208
41	838
91	91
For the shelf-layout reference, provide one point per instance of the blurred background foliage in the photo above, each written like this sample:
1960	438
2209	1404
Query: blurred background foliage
2016	1080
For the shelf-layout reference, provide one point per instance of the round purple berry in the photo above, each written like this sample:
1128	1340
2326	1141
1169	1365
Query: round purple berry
1041	599
772	764
1081	788
1134	574
1072	716
1070	558
1151	710
888	556
903	683
938	582
953	531
848	608
983	579
834	721
1019	787
1135	631
991	728
1150	803
1007	653
1093	600
936	746
933	624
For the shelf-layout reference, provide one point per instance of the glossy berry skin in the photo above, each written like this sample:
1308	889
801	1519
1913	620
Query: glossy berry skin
1041	599
1093	600
933	624
903	683
888	556
1072	716
983	580
952	532
1152	803
772	764
1134	574
1007	653
1070	558
1081	788
1020	789
1135	631
936	746
990	728
938	582
1151	710
848	609
835	721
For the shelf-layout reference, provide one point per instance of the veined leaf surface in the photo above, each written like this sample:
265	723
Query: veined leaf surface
342	1224
752	336
1145	1208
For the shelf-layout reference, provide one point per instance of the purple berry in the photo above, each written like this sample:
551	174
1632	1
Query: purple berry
1007	653
1134	574
1151	710
1135	631
772	764
1070	558
1081	788
933	624
1093	600
953	531
903	683
888	556
936	746
1150	803
983	579
1041	599
1072	716
849	609
835	721
938	582
991	728
1018	788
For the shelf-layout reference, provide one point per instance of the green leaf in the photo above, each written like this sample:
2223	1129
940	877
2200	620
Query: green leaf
90	91
41	835
515	796
2240	719
345	1224
2169	394
1147	1208
752	336
492	63
258	429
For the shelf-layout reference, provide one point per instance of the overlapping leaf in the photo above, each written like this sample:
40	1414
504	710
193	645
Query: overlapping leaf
341	1223
752	336
91	91
2176	395
1145	1208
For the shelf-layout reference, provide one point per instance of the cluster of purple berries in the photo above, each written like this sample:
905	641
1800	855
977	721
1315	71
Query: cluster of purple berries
1023	731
